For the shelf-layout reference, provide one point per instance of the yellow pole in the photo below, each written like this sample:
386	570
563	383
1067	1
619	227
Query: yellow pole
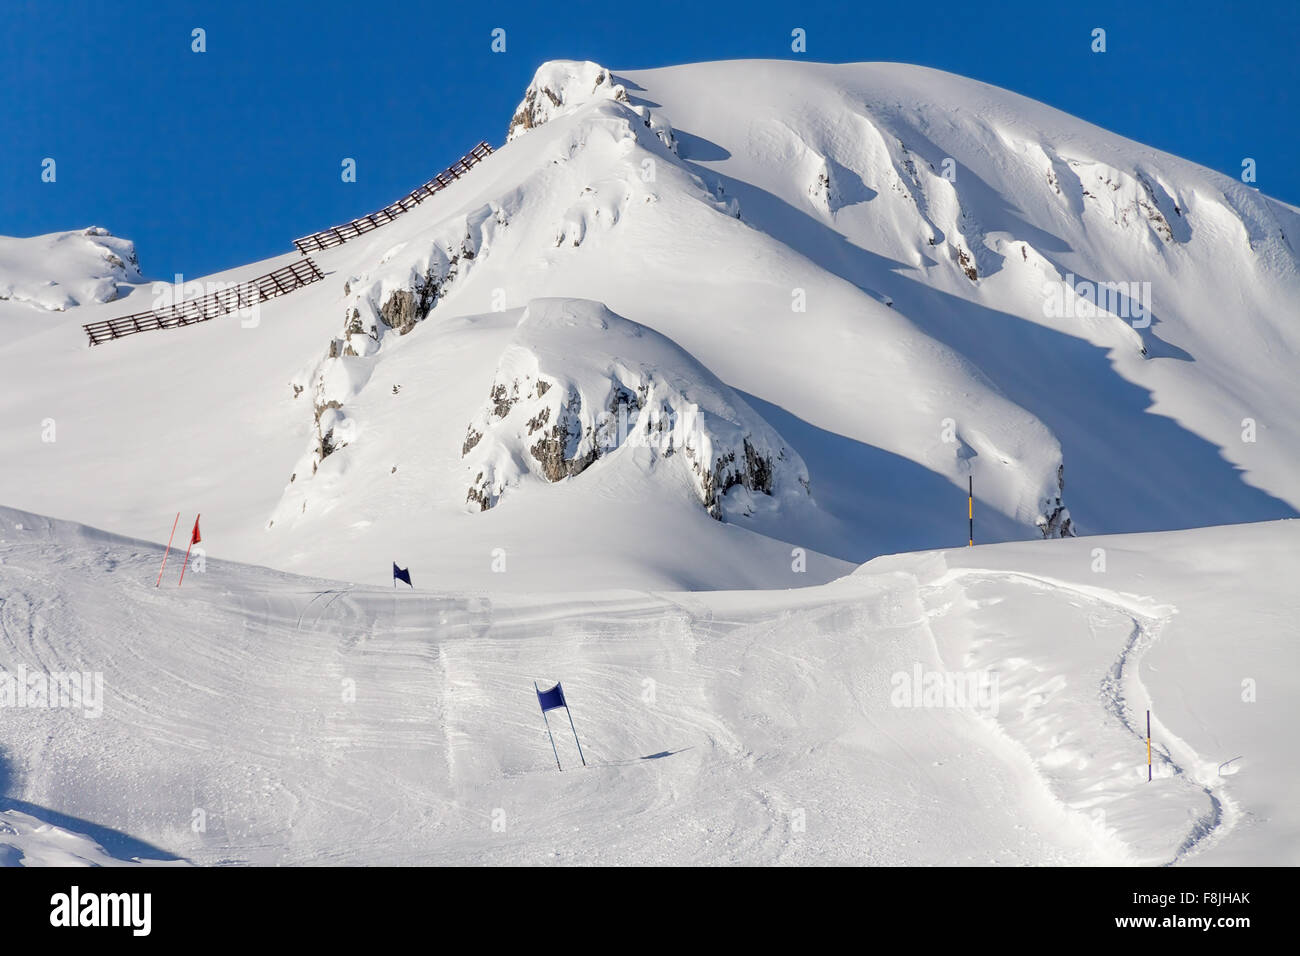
970	510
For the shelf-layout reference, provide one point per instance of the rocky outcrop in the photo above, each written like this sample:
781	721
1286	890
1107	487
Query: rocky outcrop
399	293
1054	518
560	87
578	385
1129	198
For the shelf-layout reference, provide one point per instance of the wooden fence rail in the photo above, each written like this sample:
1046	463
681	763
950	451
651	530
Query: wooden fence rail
237	296
247	294
359	227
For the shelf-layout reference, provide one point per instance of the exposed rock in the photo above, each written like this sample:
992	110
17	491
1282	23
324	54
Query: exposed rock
405	307
1054	519
751	470
559	87
578	384
965	261
478	494
327	418
1151	207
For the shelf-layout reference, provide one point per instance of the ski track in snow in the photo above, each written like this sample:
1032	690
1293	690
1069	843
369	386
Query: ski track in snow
225	696
1122	684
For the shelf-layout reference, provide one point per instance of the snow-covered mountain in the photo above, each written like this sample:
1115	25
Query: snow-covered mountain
869	283
632	399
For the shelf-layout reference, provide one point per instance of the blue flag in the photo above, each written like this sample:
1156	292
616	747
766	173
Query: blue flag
401	574
551	699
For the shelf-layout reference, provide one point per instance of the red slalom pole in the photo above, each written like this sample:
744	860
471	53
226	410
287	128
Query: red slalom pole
169	549
187	552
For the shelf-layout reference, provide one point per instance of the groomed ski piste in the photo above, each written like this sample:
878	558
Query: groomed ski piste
776	648
304	721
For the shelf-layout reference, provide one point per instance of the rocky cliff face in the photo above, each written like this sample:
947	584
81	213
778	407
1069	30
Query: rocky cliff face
1054	520
578	384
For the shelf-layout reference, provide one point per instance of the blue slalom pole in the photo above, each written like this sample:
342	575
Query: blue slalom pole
571	727
548	728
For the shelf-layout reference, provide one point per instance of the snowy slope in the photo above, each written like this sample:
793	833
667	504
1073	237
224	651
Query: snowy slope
847	164
789	228
258	717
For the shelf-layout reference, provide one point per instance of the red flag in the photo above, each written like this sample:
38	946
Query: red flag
194	539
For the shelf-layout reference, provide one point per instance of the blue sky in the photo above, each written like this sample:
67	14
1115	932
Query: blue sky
212	160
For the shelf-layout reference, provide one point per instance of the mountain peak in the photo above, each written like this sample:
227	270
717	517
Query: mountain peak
558	88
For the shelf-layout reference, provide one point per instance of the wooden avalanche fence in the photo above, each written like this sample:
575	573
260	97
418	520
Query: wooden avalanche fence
359	227
237	296
247	294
